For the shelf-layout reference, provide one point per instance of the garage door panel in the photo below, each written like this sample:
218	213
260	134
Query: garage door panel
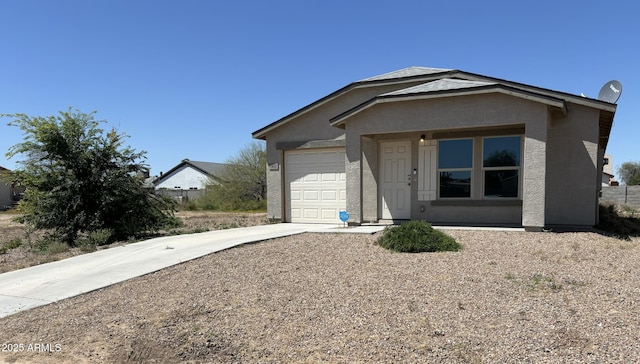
330	157
294	159
330	177
295	213
296	195
315	185
311	178
310	158
311	196
311	214
330	195
329	214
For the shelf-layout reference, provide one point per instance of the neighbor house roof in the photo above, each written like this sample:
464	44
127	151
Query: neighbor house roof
440	82
209	168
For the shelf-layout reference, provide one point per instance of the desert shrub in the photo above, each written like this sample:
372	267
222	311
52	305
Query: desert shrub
56	247
95	238
100	237
621	226
416	237
218	198
13	243
190	206
80	178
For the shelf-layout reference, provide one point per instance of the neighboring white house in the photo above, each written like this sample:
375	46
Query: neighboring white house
6	193
188	175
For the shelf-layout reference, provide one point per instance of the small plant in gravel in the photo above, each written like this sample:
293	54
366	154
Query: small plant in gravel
12	244
95	238
416	237
540	281
55	247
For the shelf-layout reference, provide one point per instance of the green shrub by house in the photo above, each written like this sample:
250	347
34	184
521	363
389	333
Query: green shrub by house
416	237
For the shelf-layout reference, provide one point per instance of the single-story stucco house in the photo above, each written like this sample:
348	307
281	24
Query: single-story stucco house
442	145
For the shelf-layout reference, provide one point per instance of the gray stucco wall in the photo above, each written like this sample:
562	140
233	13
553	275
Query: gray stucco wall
559	173
312	125
572	161
534	173
476	115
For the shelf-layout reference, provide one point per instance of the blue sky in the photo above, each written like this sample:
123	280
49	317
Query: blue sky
194	78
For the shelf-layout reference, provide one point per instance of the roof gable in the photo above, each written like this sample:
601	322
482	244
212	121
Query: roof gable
445	88
208	168
409	74
441	82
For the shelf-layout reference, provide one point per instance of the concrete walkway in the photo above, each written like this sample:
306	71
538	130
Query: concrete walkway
46	283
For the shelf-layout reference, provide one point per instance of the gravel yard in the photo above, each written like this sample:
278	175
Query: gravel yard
507	297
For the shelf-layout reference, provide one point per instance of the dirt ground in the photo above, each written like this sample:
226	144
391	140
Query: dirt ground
506	297
26	254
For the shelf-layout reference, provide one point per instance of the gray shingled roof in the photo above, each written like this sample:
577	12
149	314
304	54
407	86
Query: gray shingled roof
463	81
211	168
406	72
444	84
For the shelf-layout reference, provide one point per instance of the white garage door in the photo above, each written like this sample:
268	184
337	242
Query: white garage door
315	185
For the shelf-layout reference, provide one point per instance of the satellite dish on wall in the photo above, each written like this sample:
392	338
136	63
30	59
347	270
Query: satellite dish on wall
610	92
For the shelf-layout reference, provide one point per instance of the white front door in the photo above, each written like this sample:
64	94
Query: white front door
395	187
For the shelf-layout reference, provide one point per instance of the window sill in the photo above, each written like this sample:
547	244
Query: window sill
488	202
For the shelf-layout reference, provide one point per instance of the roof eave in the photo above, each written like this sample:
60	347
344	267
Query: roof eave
605	126
576	99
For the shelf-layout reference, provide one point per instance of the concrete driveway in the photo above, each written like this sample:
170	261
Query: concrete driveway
43	284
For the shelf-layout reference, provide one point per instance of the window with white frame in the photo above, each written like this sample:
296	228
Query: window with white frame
501	166
455	167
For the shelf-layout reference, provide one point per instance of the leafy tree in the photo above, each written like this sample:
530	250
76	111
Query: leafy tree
629	173
80	180
242	184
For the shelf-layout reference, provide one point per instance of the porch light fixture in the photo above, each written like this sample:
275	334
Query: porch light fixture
422	137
